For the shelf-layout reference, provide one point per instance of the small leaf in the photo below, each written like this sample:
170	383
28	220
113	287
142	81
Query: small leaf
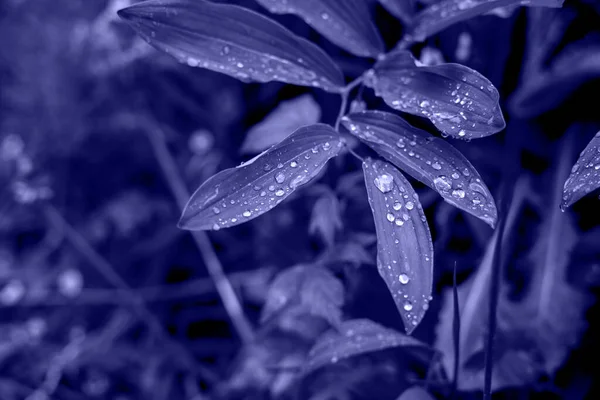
585	174
326	218
281	122
237	195
345	23
415	393
353	338
401	9
404	247
459	101
232	40
426	158
307	287
438	17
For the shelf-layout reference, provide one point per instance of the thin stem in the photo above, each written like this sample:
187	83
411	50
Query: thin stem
345	93
109	273
213	265
455	333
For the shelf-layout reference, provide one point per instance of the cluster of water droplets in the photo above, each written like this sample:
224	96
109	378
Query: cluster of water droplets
585	174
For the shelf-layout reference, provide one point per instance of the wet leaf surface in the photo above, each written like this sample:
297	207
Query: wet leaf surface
459	101
585	174
404	246
426	158
237	195
232	40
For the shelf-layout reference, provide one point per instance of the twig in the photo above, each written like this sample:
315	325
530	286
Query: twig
110	274
213	265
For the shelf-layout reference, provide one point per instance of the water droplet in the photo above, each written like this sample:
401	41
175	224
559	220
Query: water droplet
436	165
247	213
455	175
408	306
216	227
462	132
268	167
384	183
293	164
458	193
216	210
279	193
225	50
405	217
424	104
399	222
280	177
272	188
390	217
397	206
256	187
326	146
441	183
404	279
240	65
410	205
325	16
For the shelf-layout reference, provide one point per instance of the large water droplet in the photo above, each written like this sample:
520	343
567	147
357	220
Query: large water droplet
408	306
441	183
390	217
410	205
280	177
436	165
384	183
216	227
458	193
216	210
247	213
279	193
397	206
404	279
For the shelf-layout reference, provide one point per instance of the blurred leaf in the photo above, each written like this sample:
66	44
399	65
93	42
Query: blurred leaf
459	101
415	393
345	23
281	122
426	158
401	9
546	90
438	17
232	40
404	247
237	195
326	218
309	288
352	338
585	174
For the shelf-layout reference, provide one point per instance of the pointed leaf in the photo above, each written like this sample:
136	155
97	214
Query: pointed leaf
353	338
459	101
283	120
438	17
401	9
404	247
426	158
326	218
345	23
307	287
585	174
237	195
232	40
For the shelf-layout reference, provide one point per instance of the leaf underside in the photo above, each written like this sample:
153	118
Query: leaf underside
459	101
237	195
429	159
401	9
232	40
404	246
353	338
345	23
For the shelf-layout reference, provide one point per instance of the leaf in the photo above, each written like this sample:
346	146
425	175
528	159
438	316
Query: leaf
546	90
404	247
306	287
237	195
429	159
281	122
232	40
585	174
415	393
459	101
353	338
438	17
326	218
345	23
401	9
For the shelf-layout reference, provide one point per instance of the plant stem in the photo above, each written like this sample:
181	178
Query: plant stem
455	333
213	265
345	93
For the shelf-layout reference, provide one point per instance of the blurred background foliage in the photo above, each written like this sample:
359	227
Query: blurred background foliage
101	296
